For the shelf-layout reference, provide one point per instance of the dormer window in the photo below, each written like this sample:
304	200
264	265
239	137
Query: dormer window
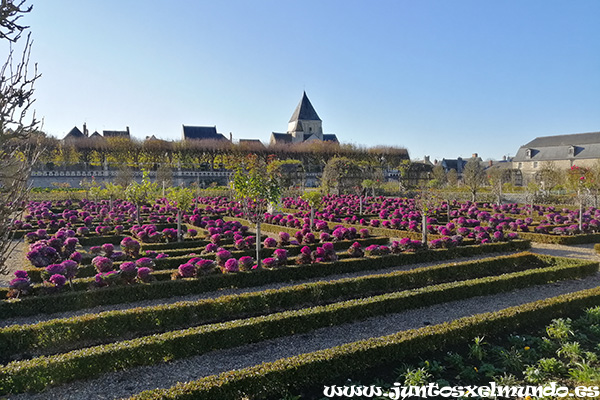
529	153
572	151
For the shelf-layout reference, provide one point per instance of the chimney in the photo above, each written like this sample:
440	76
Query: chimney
491	163
85	131
503	158
231	137
436	161
127	129
475	155
427	159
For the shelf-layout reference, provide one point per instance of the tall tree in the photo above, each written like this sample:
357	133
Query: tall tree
473	177
18	150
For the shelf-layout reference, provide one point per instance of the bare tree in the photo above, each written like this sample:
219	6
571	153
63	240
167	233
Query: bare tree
474	177
18	150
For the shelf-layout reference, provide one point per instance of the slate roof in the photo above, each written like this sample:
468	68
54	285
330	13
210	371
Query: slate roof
74	133
565	140
330	137
561	147
277	138
122	134
458	164
305	111
201	133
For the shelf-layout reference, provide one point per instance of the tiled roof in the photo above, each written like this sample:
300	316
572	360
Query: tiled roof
304	111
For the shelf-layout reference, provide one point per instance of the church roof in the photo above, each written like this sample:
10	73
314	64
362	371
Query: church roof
202	133
330	137
305	111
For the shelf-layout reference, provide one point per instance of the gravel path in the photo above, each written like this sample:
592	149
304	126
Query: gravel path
14	262
125	383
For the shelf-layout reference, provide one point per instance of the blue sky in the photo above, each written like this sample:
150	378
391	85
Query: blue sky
441	78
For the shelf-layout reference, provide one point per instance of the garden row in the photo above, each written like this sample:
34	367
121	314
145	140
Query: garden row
309	307
80	299
302	373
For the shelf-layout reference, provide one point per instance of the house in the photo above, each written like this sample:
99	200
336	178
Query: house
251	144
201	133
564	151
75	134
117	134
304	126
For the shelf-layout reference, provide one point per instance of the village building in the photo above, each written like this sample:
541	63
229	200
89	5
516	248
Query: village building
304	126
201	133
563	151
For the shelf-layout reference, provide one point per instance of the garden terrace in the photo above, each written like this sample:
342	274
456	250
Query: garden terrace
81	298
37	373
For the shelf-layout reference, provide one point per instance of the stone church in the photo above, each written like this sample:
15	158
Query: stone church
304	126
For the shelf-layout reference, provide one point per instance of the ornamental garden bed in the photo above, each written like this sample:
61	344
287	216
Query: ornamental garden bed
37	373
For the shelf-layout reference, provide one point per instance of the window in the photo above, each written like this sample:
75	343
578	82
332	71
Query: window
520	165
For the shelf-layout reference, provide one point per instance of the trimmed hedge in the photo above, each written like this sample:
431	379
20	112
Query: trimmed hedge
557	239
311	370
122	294
54	334
38	373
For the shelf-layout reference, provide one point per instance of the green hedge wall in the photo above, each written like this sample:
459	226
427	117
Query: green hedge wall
312	370
37	373
54	334
556	239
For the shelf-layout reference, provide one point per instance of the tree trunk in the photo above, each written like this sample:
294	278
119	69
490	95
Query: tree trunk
179	234
258	260
580	210
312	218
424	229
360	206
137	213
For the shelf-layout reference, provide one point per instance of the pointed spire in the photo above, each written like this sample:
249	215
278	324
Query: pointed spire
305	111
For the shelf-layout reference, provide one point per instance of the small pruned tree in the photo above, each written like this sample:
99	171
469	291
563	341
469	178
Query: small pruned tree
340	175
255	189
140	193
314	198
452	178
474	177
497	177
112	191
183	198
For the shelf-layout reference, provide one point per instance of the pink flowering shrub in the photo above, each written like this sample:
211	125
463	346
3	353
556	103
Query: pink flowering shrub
270	243
355	250
231	265
20	285
245	263
102	264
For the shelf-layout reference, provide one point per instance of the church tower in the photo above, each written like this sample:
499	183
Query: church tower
305	124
